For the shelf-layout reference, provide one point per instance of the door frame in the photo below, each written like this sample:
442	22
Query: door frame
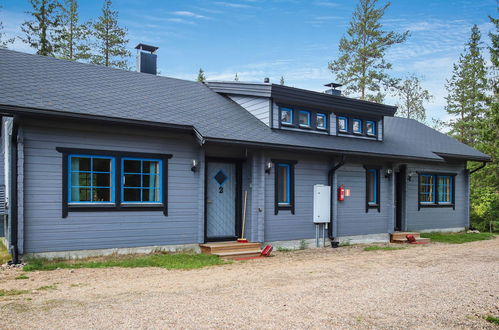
239	189
400	192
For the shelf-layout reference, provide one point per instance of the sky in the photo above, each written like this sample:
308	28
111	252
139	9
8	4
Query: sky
289	38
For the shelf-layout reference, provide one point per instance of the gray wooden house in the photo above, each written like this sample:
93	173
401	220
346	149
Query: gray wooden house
99	160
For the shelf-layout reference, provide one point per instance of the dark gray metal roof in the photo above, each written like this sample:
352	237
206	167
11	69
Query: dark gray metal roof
58	87
302	97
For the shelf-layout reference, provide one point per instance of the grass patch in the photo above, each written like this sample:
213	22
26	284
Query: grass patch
163	260
457	238
382	248
4	293
22	277
492	319
283	249
4	254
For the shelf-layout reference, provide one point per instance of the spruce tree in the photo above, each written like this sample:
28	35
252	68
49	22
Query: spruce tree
411	98
111	39
362	66
467	90
201	77
236	77
282	80
43	32
74	36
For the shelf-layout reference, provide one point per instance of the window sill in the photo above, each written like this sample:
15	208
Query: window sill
127	205
436	205
304	126
287	124
95	205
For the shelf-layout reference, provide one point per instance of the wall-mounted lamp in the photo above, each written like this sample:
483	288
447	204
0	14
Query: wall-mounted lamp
410	175
195	165
268	167
388	173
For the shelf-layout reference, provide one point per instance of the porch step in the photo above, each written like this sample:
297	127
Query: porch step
400	237
225	249
242	254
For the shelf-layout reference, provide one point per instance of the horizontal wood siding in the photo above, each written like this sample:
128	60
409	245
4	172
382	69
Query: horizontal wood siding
437	218
257	106
46	230
352	218
285	225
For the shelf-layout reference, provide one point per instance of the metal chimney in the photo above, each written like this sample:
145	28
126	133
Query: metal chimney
332	88
266	80
147	60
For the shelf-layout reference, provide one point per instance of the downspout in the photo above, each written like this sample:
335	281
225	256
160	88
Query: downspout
331	179
14	250
478	168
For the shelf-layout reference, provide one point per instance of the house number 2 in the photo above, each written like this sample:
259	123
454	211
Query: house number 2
221	190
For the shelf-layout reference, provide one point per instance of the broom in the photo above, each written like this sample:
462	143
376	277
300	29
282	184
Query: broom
242	239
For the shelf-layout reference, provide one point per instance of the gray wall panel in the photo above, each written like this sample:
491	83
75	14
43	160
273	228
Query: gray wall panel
352	217
257	106
46	230
437	218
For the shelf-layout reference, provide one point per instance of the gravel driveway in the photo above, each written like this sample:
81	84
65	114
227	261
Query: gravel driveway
436	286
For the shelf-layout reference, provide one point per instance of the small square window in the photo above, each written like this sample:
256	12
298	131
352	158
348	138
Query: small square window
304	118
343	124
357	126
287	116
371	128
321	121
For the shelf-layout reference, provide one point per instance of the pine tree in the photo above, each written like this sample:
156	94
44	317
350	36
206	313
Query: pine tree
236	77
362	67
4	42
282	80
111	39
412	98
43	33
201	77
467	90
74	36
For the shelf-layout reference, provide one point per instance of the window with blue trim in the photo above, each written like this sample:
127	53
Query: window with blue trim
343	124
284	187
427	188
91	179
284	177
321	121
357	126
304	118
287	116
370	127
372	187
444	189
141	180
436	189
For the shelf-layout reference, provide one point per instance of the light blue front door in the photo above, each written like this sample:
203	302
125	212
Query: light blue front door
221	200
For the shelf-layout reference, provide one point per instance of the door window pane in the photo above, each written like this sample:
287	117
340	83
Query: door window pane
372	186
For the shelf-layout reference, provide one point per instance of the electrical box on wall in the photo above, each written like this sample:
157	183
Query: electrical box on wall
322	203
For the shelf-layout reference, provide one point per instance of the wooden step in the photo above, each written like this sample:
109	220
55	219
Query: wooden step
228	247
404	240
402	235
239	254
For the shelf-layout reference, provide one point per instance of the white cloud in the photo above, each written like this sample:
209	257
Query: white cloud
326	3
188	14
232	5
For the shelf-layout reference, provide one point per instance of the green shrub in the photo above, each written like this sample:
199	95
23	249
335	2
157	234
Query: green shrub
485	209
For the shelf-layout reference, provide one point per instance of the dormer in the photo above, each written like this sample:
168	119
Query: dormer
301	110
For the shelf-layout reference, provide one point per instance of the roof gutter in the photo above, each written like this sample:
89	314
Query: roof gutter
478	168
330	174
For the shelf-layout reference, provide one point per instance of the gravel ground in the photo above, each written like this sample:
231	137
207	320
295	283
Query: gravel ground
436	286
